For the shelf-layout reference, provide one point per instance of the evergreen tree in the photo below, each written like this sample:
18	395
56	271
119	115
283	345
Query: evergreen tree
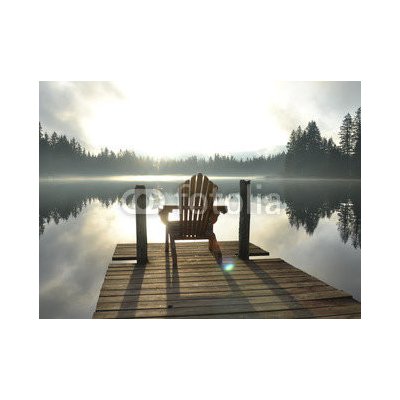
296	153
291	152
356	141
346	141
313	138
291	145
53	140
313	142
346	136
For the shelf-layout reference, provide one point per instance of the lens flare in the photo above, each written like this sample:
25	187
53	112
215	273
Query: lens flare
228	267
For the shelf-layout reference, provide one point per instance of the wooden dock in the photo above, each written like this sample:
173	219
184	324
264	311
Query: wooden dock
200	288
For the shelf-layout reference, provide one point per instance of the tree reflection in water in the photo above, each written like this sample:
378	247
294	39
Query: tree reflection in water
306	201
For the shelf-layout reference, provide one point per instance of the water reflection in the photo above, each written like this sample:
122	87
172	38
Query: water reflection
305	202
318	229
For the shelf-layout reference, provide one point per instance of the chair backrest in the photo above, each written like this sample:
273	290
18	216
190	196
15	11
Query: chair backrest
196	200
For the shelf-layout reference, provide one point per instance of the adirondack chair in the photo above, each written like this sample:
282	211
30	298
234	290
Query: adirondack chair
197	214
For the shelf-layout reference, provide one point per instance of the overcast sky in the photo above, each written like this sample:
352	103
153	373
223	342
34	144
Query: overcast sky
188	115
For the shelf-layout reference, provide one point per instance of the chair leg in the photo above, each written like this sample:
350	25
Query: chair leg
173	251
166	240
214	248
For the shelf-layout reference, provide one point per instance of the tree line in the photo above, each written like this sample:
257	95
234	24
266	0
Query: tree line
310	154
60	155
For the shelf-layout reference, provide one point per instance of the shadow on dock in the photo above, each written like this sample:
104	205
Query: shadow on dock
200	288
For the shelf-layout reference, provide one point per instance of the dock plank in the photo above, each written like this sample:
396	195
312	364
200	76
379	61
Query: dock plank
306	307
127	251
211	296
199	288
146	303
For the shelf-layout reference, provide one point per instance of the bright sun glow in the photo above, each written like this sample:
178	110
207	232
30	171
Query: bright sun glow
185	115
163	128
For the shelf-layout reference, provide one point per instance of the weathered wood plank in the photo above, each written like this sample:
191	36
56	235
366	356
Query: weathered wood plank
343	316
199	266
200	277
319	287
189	285
127	251
196	260
199	288
207	271
322	312
128	275
200	302
305	305
206	290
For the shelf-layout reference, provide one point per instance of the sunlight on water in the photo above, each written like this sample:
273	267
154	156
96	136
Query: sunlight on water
134	178
116	178
317	230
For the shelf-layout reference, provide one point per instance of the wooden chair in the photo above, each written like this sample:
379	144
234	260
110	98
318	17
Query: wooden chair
197	214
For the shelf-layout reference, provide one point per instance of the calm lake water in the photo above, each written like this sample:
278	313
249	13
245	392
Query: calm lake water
312	224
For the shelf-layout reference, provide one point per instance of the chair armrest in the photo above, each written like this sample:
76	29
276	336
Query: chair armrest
216	211
166	209
163	212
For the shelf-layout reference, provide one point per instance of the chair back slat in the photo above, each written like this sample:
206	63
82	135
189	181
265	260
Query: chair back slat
184	205
202	204
192	195
195	203
210	196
